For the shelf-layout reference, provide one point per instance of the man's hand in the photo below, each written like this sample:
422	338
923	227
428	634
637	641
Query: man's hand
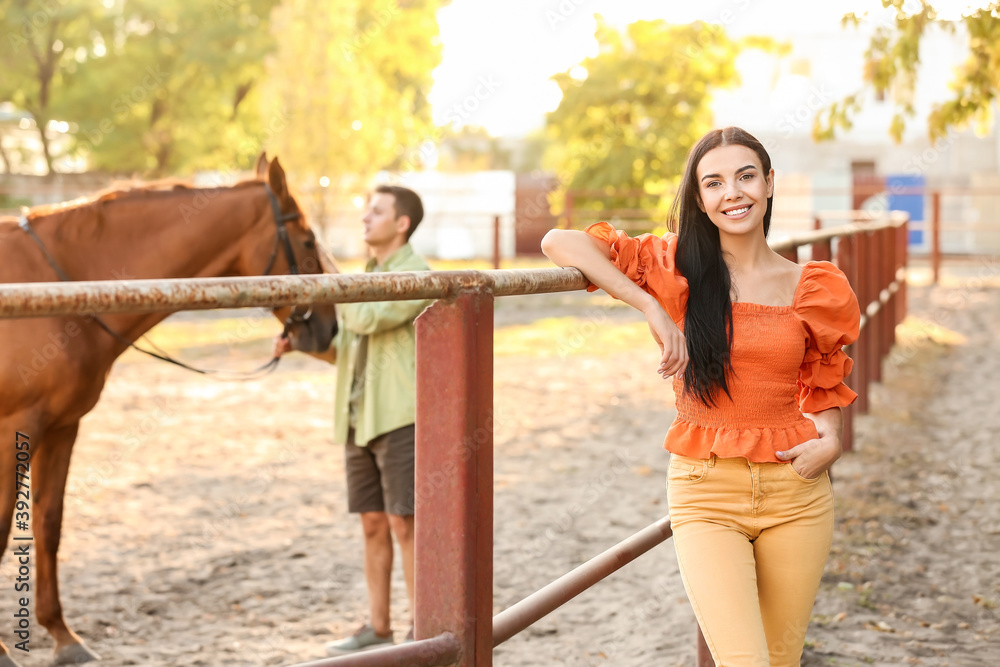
281	345
812	457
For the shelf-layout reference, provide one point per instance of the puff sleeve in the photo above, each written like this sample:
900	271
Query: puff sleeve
828	311
650	262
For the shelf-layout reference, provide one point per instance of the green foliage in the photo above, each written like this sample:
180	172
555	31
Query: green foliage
179	91
471	148
893	58
43	48
151	87
156	87
351	84
626	127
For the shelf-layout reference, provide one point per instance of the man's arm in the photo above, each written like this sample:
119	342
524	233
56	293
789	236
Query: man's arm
369	318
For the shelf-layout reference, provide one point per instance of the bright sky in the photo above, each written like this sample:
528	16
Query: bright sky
498	56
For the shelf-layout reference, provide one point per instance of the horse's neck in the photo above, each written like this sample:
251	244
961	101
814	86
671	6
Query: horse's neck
184	234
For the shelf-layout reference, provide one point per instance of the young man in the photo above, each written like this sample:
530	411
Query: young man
375	409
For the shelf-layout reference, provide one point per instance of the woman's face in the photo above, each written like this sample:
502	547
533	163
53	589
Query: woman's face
733	188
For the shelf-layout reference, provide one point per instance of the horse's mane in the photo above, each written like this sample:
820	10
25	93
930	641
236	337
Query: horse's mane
130	189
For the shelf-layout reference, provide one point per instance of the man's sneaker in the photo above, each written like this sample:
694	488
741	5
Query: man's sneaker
362	640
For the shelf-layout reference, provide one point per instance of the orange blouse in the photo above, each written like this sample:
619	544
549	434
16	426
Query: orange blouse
786	360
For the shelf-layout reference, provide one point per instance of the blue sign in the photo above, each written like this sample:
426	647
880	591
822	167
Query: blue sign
906	193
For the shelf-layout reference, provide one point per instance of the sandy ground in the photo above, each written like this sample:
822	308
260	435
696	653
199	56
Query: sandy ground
206	521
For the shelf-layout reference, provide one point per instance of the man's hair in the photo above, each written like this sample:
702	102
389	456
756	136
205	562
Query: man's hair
407	202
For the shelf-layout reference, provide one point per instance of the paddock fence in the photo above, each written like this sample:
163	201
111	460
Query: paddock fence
454	622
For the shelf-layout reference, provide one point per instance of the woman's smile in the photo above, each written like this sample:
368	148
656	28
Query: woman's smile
738	211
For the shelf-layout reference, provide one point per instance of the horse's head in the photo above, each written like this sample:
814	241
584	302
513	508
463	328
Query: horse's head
286	245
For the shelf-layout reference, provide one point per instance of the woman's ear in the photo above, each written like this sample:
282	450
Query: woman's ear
770	183
697	200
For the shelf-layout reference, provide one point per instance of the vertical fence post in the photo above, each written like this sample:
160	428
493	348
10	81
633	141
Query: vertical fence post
821	249
876	268
935	234
454	474
902	261
890	273
846	262
861	359
704	658
496	241
888	267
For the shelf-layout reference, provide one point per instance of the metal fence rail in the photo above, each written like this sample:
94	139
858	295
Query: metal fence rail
522	615
454	537
149	296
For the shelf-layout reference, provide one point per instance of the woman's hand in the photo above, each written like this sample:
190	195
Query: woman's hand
812	457
673	347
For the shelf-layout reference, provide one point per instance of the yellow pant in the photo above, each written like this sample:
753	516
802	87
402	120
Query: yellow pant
752	540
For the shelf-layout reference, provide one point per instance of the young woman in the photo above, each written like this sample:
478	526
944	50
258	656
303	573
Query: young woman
753	343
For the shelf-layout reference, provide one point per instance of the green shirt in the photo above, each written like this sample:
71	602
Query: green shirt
387	400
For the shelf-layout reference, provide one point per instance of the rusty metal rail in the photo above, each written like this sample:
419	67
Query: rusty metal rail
440	651
516	618
454	537
148	296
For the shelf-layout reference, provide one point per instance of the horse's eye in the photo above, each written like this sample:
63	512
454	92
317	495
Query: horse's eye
310	245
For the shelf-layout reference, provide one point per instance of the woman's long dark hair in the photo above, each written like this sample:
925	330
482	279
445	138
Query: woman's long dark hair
708	325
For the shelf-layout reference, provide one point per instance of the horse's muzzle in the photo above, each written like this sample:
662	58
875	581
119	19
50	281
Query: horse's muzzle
312	330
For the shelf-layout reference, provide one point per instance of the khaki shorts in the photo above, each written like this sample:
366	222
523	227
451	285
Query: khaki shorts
380	476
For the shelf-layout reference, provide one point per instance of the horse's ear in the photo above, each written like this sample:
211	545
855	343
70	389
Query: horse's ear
260	167
276	178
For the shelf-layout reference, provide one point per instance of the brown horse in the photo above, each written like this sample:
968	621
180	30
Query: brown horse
53	369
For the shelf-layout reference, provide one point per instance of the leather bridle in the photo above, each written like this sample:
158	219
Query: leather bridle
282	238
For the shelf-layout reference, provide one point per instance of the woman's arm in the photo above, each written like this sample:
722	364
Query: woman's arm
812	457
567	247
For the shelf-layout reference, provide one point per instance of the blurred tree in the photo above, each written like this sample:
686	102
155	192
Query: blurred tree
178	89
349	87
619	138
42	53
156	87
893	57
471	148
153	87
4	158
